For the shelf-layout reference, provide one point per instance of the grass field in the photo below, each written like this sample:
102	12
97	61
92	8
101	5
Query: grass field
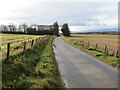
102	40
36	69
16	41
10	38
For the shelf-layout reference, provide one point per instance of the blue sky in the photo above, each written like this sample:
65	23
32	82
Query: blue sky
81	16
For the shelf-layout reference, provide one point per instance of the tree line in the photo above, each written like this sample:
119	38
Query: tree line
35	29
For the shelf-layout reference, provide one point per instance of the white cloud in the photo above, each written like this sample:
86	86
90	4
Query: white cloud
91	28
82	13
80	0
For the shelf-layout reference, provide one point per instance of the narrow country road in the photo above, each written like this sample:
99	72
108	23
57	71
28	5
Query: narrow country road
80	70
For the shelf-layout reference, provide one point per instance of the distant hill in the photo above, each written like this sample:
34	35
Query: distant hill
108	32
101	31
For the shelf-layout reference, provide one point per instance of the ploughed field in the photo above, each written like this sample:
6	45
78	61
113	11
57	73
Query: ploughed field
102	40
102	46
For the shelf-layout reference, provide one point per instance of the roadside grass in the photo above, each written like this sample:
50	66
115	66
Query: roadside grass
111	60
36	69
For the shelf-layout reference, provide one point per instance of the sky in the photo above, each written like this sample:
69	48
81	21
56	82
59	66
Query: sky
81	15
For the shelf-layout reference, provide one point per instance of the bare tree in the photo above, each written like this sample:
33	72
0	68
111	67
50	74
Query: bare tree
5	28
10	28
14	28
24	25
20	28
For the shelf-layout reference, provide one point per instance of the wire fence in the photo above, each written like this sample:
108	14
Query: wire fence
12	49
95	46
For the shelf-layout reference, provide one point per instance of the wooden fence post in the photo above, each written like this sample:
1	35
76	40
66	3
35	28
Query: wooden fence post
39	40
32	43
105	48
117	54
36	40
88	43
8	51
24	48
82	42
0	48
107	51
96	46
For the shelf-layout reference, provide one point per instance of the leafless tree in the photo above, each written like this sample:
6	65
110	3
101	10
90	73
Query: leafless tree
24	25
12	27
20	28
5	28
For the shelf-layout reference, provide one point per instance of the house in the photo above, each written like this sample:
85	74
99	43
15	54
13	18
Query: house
44	27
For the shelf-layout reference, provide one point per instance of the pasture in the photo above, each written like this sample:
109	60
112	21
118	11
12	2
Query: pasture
16	43
10	38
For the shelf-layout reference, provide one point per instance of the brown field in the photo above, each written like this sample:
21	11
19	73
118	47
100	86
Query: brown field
102	40
110	55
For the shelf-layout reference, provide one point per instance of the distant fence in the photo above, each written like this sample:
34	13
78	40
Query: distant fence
97	47
11	49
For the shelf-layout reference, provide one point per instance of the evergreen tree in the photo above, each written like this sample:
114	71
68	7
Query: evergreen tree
56	28
65	30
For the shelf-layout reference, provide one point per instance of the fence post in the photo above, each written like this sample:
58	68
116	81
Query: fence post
35	40
82	42
32	43
88	43
24	48
96	46
107	51
117	54
105	48
8	51
39	40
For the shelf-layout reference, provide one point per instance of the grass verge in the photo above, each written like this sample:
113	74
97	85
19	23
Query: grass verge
37	69
111	60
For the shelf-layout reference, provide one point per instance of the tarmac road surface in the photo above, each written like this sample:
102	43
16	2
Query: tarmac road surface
80	70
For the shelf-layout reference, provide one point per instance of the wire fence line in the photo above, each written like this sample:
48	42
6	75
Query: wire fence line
95	46
12	49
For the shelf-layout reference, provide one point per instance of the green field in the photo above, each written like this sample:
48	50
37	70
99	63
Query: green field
10	38
37	68
111	41
16	41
